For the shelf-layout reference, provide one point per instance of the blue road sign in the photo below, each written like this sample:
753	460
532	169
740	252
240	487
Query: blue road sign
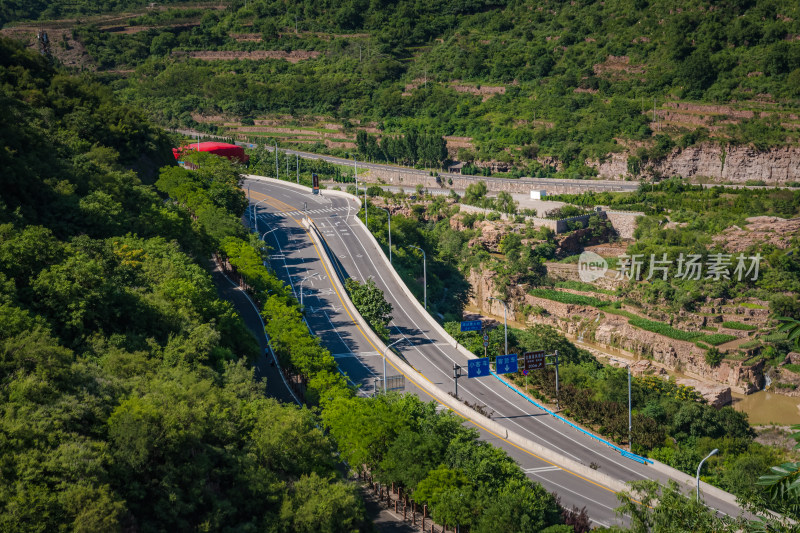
477	368
507	364
471	325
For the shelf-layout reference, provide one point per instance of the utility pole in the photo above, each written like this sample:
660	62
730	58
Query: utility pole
630	425
276	161
424	274
297	160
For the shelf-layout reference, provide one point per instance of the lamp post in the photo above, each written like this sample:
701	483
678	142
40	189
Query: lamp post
424	274
277	172
366	208
713	452
301	285
389	214
255	214
630	424
384	362
505	320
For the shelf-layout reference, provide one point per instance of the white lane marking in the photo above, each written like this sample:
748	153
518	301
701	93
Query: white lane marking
424	332
550	481
541	469
352	354
490	389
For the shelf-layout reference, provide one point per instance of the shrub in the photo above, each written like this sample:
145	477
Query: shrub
739	326
714	357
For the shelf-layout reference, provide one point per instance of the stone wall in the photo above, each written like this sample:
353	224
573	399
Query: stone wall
624	222
558	226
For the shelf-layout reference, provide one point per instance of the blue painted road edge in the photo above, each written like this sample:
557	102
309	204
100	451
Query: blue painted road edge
624	453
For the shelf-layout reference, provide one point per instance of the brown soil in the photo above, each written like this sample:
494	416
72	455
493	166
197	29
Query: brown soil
759	230
617	65
72	55
219	55
487	91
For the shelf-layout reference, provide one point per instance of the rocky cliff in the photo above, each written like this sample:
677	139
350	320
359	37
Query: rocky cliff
612	331
736	164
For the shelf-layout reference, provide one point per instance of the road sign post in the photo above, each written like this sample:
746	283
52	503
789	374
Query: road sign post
533	360
315	183
471	325
478	368
506	364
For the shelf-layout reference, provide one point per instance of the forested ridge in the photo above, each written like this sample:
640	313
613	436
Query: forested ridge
526	83
128	397
128	401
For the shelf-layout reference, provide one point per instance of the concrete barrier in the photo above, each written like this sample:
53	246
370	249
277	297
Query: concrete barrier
453	404
437	394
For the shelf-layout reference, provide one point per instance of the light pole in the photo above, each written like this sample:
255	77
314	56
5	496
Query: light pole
297	161
255	214
355	171
505	320
713	452
301	286
366	208
630	424
384	362
277	172
389	214
424	275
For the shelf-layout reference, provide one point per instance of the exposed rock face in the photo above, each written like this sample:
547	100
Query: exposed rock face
759	230
729	163
715	395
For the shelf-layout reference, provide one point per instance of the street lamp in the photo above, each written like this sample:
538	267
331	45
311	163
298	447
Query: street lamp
505	321
389	214
424	274
384	361
255	214
630	424
713	452
301	285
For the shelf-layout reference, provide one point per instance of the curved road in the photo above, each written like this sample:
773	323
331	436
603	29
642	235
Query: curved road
280	208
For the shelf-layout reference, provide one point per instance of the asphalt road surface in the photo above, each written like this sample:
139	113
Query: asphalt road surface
297	261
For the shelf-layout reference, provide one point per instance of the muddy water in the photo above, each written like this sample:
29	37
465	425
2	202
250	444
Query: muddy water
763	407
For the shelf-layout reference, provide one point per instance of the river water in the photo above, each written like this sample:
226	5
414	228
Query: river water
762	408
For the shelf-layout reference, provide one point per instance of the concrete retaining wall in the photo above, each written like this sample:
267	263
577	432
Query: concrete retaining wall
523	185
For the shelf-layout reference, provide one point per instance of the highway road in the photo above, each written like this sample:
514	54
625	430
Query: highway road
280	208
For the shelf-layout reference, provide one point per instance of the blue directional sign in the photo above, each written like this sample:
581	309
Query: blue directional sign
507	364
471	325
478	368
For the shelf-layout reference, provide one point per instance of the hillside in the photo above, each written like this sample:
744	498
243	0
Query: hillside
533	87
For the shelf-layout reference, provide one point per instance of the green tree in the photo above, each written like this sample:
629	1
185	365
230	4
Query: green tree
371	304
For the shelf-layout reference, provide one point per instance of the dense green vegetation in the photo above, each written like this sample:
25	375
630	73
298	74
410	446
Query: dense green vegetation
434	458
671	423
128	397
128	400
699	215
572	78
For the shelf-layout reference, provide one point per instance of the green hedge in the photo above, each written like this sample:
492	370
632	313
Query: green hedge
739	325
568	298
